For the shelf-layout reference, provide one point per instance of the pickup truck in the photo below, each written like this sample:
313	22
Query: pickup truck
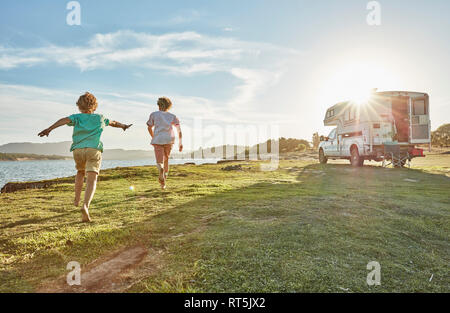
370	130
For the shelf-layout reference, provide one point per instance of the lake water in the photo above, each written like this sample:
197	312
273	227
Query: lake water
20	171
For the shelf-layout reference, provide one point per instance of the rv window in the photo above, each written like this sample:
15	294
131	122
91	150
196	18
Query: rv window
352	113
419	107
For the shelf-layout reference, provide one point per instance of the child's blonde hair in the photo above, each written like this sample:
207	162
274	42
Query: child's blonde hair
164	103
87	103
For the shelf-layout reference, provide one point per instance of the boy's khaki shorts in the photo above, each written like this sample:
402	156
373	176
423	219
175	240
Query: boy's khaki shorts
87	159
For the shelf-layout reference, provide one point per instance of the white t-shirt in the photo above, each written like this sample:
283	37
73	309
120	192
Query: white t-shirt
163	133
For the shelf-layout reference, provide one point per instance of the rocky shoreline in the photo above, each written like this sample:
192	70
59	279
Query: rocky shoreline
17	186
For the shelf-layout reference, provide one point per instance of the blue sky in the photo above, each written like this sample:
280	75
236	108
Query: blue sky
225	63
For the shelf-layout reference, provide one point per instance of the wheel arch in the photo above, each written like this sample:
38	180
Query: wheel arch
353	146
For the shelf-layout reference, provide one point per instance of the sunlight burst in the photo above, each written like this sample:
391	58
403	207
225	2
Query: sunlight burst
355	82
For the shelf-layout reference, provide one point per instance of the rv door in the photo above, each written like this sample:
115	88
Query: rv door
420	131
400	110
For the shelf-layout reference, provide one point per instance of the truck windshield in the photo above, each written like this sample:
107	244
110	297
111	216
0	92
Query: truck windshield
332	134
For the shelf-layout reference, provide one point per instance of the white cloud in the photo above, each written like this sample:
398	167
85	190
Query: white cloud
254	84
256	66
176	52
28	109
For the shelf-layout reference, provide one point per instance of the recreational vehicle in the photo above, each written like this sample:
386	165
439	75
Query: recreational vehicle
387	127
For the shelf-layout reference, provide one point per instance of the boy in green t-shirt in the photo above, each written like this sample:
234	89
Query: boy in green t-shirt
86	146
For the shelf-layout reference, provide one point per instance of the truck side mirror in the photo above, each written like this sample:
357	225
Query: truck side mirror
322	138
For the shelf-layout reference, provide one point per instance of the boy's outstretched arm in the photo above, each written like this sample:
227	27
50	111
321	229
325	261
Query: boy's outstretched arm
60	122
119	125
180	136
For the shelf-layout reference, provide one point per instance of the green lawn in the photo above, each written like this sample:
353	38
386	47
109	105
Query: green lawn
303	228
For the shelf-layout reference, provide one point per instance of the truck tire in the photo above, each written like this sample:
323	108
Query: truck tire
355	159
322	158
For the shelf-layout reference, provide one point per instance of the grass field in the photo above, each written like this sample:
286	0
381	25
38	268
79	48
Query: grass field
303	228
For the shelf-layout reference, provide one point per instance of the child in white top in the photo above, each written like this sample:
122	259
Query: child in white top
163	136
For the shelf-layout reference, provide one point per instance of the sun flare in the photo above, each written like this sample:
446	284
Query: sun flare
355	82
361	96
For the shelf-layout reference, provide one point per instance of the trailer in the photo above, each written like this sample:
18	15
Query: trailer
386	128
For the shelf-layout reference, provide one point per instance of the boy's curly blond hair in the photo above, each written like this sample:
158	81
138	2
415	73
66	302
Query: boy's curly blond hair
87	103
164	103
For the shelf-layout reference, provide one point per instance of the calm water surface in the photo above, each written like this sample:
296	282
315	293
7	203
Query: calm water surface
19	171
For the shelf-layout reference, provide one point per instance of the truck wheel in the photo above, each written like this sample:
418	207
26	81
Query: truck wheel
322	158
355	158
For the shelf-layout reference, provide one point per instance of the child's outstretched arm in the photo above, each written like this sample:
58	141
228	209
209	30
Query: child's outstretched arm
180	136
60	122
119	125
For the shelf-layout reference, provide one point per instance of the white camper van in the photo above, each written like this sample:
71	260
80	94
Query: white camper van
385	128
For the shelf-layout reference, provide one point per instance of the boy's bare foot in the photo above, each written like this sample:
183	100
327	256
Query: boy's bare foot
85	215
76	202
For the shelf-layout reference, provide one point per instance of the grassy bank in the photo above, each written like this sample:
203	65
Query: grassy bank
303	228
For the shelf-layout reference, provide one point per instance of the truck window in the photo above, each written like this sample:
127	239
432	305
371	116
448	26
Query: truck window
332	134
352	113
419	107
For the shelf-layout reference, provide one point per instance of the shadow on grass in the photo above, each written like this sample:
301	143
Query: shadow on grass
313	228
33	221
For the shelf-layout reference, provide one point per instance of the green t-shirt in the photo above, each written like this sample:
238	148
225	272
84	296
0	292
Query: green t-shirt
87	129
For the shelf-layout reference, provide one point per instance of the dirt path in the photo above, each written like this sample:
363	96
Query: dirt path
113	273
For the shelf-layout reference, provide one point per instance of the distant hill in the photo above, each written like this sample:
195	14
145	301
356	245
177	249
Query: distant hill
55	148
285	145
63	149
27	156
